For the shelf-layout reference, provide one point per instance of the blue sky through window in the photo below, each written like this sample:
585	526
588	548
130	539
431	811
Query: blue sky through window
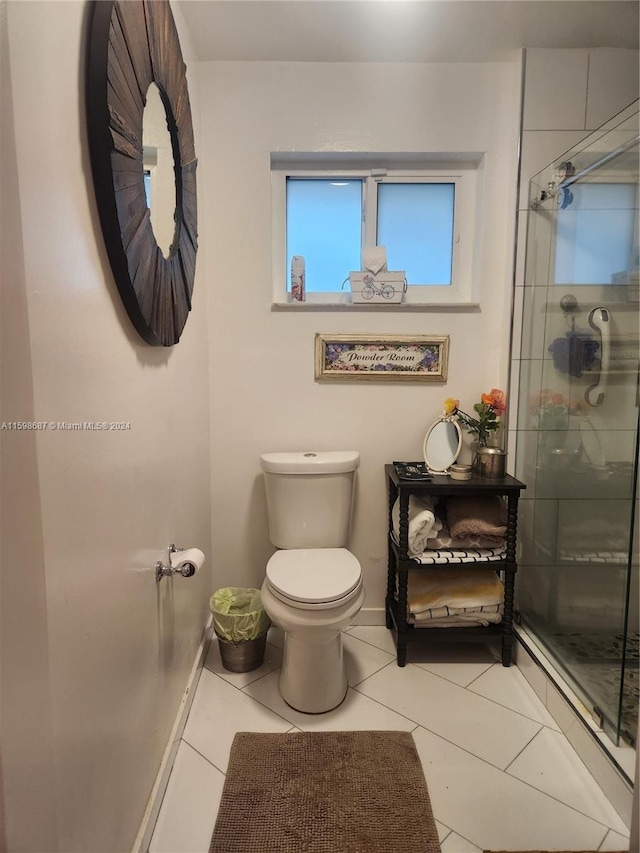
415	224
324	225
147	187
595	231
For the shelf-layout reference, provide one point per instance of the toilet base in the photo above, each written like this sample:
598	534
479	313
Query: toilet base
313	679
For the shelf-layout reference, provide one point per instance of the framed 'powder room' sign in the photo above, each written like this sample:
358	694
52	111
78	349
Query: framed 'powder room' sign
404	358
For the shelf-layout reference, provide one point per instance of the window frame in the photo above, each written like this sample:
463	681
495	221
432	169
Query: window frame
464	176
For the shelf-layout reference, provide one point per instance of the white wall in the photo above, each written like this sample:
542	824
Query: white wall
95	655
263	393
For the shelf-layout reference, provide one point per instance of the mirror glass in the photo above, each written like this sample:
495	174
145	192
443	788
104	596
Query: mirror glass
159	172
442	445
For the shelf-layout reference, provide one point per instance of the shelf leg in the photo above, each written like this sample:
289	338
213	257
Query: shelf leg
391	591
507	618
391	563
402	652
401	632
509	578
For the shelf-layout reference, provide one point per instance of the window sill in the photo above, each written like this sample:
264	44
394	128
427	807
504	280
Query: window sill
378	306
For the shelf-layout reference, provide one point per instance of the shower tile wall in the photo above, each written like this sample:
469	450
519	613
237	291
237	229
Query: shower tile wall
567	94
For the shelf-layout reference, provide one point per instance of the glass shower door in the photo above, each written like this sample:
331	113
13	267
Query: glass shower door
577	446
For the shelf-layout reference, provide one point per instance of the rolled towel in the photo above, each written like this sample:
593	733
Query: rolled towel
429	588
476	516
422	523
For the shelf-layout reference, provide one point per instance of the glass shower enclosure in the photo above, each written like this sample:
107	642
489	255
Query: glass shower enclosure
577	430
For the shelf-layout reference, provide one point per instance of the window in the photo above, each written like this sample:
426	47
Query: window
147	186
423	217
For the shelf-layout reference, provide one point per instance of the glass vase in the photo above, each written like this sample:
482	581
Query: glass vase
475	458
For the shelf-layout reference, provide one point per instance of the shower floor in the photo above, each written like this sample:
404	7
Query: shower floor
594	661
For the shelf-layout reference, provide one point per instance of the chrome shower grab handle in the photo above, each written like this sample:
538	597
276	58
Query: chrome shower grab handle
600	320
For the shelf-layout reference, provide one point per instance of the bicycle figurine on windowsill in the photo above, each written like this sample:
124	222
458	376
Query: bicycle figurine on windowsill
371	289
389	287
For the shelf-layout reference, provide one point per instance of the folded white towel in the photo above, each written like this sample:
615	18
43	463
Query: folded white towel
422	523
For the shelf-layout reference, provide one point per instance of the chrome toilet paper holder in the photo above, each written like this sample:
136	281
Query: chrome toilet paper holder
186	570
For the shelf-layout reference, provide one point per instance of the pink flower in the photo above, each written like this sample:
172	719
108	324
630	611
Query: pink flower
498	401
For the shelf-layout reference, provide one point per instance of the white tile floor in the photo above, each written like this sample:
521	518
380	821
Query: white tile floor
501	775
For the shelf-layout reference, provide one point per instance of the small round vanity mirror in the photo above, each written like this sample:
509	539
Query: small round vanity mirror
442	445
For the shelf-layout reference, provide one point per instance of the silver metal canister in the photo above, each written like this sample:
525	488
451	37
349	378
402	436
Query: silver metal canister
490	462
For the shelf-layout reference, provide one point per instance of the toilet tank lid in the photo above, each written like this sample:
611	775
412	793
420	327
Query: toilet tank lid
310	462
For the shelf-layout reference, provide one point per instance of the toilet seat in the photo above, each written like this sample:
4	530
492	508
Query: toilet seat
313	577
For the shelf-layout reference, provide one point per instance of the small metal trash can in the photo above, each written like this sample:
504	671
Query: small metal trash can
242	657
240	624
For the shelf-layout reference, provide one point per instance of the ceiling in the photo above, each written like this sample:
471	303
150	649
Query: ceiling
403	30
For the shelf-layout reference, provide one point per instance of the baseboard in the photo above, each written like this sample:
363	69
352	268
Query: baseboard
147	825
370	616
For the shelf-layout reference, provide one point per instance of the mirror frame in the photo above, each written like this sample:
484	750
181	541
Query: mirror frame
456	426
131	45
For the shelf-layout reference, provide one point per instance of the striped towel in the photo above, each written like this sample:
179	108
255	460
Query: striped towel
456	622
464	555
491	614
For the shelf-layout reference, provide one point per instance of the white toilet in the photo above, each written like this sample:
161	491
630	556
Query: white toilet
313	585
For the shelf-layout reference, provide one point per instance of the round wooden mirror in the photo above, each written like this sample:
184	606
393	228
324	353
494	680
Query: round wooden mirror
134	43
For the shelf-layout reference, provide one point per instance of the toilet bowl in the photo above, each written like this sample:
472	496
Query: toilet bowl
313	585
313	594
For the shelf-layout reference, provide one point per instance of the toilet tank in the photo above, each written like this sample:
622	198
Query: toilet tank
310	497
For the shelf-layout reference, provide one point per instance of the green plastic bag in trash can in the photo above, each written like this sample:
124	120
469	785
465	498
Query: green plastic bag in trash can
238	614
